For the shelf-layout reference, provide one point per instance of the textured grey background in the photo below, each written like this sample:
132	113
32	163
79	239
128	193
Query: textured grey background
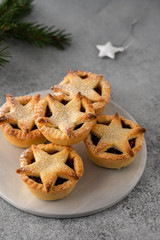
135	80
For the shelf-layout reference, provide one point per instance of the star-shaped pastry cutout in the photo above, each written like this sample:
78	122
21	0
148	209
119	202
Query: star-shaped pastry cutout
115	136
49	167
108	50
73	83
66	117
21	115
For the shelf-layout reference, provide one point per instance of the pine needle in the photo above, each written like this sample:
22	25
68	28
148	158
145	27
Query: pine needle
4	55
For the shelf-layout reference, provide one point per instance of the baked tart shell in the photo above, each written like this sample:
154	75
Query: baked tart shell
53	195
53	134
103	88
20	139
59	138
106	162
16	136
115	159
56	192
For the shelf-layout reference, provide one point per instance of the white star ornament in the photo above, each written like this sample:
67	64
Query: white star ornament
108	50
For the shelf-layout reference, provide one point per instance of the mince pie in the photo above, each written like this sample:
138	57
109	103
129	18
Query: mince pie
50	171
64	121
90	85
17	121
114	141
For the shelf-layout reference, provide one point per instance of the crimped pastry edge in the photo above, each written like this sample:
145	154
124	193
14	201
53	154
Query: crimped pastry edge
57	192
108	160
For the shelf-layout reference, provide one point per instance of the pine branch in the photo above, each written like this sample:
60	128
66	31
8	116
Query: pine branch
40	35
4	55
11	11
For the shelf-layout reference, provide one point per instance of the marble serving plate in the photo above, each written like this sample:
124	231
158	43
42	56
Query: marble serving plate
98	189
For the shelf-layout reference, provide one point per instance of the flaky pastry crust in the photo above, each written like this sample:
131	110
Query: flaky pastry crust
17	121
68	121
50	171
90	85
114	141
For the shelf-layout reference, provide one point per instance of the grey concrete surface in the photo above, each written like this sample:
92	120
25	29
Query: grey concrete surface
135	80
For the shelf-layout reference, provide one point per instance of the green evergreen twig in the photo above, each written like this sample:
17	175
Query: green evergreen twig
11	13
39	35
4	55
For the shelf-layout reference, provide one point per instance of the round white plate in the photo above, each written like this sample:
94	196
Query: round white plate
98	189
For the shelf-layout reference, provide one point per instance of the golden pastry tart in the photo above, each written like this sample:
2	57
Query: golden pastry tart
90	85
63	121
50	171
17	121
114	141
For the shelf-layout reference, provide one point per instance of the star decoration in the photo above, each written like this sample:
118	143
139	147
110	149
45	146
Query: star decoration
108	50
21	115
49	167
115	136
73	83
66	117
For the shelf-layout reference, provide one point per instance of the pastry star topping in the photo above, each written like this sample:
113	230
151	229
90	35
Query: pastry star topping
66	117
108	50
115	136
49	167
21	115
74	83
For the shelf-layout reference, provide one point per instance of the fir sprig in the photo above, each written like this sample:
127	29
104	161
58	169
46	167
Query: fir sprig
39	35
11	14
4	55
11	11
